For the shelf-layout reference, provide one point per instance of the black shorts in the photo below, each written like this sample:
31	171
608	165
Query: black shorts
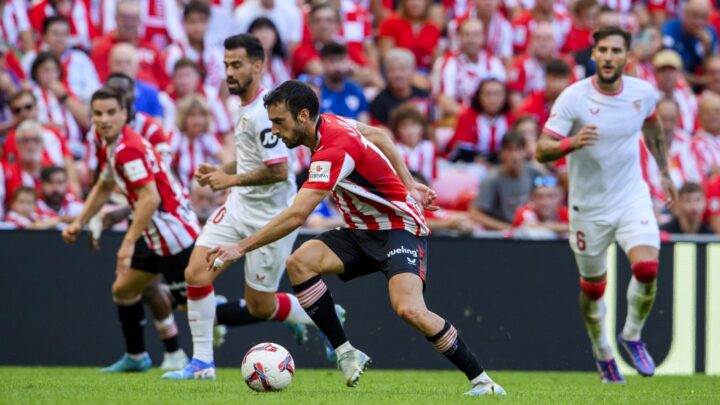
365	252
171	267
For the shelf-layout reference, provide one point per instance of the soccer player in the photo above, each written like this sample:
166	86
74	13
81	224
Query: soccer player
262	185
386	230
161	215
597	122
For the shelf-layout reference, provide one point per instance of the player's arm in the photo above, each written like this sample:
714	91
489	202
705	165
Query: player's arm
266	174
99	195
280	226
551	147
655	141
383	140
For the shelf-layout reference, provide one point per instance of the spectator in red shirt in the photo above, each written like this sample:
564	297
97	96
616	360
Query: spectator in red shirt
55	201
557	77
584	23
712	191
16	29
527	72
82	30
706	141
544	215
528	21
23	211
481	127
411	28
127	18
25	171
412	140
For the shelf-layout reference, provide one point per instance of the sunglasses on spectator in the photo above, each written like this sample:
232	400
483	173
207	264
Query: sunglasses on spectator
545	181
34	139
26	107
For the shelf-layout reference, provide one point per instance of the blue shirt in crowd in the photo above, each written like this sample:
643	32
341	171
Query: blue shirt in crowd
147	100
349	102
689	47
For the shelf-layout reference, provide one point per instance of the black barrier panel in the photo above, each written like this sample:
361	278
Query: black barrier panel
514	302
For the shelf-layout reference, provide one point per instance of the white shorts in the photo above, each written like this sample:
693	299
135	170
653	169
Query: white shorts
263	266
633	226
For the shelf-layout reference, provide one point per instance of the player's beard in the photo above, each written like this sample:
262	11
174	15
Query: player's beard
613	78
297	137
240	89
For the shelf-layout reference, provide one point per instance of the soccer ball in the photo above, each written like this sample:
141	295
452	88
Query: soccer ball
268	367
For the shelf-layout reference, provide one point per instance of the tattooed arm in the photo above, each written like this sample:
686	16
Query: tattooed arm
655	141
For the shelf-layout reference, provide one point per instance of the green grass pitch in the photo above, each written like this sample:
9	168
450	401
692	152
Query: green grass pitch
21	385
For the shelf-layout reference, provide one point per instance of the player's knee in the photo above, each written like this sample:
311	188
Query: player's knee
593	289
197	278
645	272
259	308
410	313
297	264
124	292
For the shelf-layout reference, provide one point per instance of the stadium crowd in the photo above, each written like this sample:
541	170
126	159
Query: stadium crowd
464	86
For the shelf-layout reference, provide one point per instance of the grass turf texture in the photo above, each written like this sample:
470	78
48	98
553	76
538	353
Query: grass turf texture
86	385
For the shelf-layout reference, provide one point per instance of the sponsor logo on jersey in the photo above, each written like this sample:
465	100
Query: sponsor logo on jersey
637	104
320	171
402	250
268	139
135	170
595	111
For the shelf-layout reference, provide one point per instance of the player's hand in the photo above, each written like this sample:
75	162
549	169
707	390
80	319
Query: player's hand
425	196
588	136
220	257
219	180
203	169
71	232
124	257
671	194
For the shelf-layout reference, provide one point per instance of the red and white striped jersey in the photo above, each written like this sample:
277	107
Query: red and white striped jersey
70	207
17	221
210	62
142	124
161	21
526	75
275	72
15	177
188	154
221	123
80	73
688	105
706	148
498	34
132	162
478	133
524	24
51	112
642	70
560	5
622	6
14	21
457	8
356	26
421	159
366	189
82	30
456	76
683	164
55	148
651	173
670	7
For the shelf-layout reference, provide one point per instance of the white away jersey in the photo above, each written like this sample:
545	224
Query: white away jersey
608	174
255	145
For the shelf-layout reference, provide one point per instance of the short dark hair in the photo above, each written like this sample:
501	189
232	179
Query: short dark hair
296	96
48	172
248	42
24	190
475	101
196	7
109	93
512	139
264	22
322	6
333	49
408	111
605	32
54	19
21	93
183	63
557	68
689	188
40	59
122	76
582	5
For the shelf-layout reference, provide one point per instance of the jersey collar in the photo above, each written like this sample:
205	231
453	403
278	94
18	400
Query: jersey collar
317	133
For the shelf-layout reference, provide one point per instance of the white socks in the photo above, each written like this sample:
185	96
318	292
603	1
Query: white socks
344	348
594	315
640	297
201	316
288	310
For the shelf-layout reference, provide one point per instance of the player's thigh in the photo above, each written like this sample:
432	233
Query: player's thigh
131	283
219	230
197	273
264	266
406	292
261	304
638	233
590	237
592	268
312	258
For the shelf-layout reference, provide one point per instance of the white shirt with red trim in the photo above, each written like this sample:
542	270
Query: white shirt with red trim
51	112
366	188
456	76
17	221
210	62
132	162
606	176
189	154
706	148
421	159
14	21
255	146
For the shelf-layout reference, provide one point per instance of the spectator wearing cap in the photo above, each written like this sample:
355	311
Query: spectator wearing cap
456	74
124	58
670	83
207	57
527	71
557	77
706	141
127	29
692	37
55	201
399	67
286	16
644	48
506	188
82	78
481	126
77	13
411	28
275	69
16	29
338	94
413	140
527	21
688	212
544	214
712	191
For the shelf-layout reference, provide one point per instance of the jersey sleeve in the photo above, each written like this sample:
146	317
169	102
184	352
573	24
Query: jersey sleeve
271	148
327	168
134	168
713	198
561	117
